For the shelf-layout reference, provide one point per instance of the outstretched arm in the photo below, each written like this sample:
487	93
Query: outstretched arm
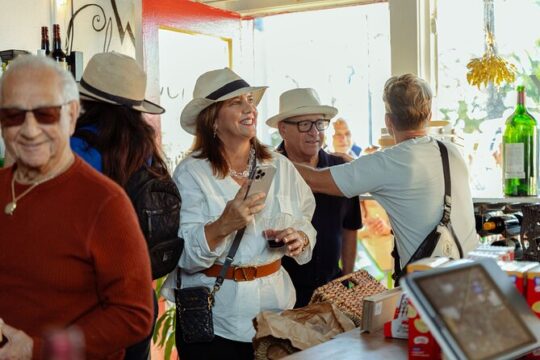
320	181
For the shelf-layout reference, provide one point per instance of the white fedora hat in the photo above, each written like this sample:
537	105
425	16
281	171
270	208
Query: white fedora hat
212	87
296	102
117	79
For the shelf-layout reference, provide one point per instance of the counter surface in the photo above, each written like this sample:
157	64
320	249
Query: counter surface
354	345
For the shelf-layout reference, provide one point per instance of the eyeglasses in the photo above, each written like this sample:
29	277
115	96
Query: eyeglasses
306	125
45	115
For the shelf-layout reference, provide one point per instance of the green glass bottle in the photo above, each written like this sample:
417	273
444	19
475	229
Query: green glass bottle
520	148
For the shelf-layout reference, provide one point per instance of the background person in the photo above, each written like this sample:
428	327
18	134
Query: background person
71	251
406	179
112	135
342	139
302	121
213	182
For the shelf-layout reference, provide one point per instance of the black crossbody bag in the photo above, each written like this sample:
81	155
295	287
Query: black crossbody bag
441	241
194	304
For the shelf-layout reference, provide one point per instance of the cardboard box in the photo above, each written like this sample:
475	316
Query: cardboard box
517	271
426	264
379	308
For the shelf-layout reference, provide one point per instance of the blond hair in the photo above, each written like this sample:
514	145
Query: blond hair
407	99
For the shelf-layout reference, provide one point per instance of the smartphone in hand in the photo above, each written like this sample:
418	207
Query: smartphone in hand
262	179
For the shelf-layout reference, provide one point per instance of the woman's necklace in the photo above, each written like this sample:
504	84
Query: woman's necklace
243	174
12	205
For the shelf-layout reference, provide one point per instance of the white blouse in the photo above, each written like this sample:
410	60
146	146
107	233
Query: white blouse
204	197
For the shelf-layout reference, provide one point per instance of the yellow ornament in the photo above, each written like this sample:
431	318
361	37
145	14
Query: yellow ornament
490	68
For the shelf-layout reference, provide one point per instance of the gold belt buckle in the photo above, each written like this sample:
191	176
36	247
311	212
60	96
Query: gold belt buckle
246	273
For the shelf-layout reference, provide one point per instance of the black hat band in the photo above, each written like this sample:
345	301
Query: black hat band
227	89
117	99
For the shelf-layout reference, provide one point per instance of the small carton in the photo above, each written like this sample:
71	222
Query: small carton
379	309
421	343
517	271
398	327
533	289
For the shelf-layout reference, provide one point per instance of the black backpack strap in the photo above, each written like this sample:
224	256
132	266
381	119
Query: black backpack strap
447	184
445	219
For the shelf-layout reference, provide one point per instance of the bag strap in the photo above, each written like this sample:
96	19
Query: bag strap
447	184
234	246
445	220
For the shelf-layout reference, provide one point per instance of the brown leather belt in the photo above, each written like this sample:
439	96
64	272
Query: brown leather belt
244	273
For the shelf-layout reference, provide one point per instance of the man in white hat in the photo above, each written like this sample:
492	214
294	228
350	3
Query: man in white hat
302	121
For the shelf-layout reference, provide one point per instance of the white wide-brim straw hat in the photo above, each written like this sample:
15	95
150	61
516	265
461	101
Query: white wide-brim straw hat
212	87
117	79
303	101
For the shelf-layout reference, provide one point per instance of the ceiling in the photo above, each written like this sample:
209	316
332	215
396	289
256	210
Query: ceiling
258	8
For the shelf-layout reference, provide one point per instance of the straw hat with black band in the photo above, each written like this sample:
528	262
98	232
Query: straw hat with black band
212	87
117	79
302	101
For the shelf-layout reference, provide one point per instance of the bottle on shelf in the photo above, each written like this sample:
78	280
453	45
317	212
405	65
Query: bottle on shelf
45	45
58	54
520	151
507	224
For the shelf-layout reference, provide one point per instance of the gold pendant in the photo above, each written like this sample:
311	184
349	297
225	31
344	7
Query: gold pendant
10	208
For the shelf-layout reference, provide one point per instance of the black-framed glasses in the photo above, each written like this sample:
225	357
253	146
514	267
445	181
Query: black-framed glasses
306	125
45	115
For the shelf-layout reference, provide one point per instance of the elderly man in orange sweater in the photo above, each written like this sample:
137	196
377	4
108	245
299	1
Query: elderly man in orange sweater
71	250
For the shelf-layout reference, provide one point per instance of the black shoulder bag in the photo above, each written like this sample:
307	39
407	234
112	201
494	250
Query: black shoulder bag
442	240
194	304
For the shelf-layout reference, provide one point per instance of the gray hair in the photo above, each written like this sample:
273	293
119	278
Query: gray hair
68	86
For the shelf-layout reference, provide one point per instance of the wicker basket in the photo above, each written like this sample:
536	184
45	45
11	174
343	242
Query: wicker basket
271	348
348	292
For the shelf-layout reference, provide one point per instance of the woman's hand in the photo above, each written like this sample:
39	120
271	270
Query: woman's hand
237	213
295	241
19	345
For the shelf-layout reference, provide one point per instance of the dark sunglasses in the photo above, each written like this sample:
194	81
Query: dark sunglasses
306	125
45	115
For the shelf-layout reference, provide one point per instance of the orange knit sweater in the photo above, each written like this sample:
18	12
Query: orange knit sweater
73	254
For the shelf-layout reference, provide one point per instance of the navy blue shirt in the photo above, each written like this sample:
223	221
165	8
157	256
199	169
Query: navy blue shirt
332	215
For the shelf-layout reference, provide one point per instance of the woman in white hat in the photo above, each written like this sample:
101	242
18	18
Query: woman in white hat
213	182
112	135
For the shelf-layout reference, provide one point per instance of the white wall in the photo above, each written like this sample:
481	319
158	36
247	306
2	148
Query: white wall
21	20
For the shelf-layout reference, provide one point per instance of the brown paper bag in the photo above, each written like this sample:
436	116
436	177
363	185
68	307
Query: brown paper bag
280	334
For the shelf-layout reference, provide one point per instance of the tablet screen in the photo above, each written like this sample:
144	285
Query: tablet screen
475	312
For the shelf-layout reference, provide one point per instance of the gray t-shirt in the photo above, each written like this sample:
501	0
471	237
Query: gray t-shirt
407	180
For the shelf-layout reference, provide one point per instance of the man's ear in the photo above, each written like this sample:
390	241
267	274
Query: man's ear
388	123
74	111
282	129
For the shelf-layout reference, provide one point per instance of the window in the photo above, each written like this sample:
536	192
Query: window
343	53
481	114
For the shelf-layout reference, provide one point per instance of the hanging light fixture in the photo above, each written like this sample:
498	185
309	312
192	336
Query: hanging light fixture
490	68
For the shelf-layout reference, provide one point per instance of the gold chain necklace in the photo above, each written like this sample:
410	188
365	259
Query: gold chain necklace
12	205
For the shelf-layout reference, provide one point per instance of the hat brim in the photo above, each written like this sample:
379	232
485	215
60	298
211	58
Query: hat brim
188	118
328	111
145	106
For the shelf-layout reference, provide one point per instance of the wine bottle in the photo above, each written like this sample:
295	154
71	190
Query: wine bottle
502	224
45	45
520	147
58	54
